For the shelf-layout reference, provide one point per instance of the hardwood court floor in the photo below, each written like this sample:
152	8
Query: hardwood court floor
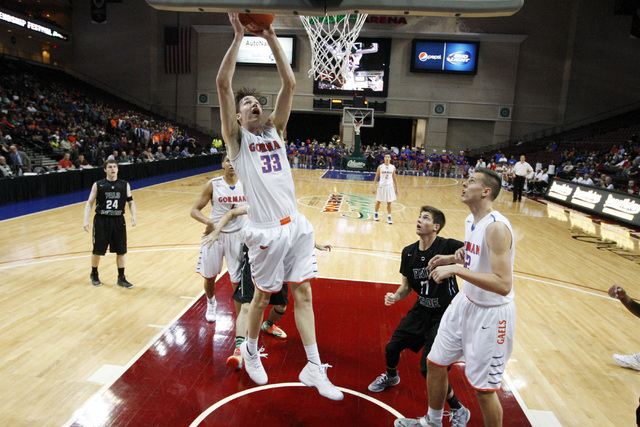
59	332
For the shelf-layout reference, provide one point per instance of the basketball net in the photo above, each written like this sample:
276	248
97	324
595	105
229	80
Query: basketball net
332	38
357	125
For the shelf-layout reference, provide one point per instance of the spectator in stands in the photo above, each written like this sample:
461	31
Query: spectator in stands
499	156
541	181
176	152
607	182
185	152
159	154
5	169
585	179
65	162
480	163
552	168
114	156
632	187
82	163
20	160
100	159
512	161
633	171
145	157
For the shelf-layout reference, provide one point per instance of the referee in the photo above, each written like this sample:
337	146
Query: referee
109	228
521	170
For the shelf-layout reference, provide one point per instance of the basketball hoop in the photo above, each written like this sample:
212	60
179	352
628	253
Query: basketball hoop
332	38
356	125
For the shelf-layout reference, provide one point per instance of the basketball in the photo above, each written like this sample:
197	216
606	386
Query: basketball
256	21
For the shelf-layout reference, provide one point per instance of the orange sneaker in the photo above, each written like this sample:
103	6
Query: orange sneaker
235	361
274	331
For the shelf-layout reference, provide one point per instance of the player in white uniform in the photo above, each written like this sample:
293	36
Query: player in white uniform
280	240
480	323
224	193
387	187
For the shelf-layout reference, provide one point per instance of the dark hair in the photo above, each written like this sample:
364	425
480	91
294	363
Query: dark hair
436	214
104	166
491	179
240	94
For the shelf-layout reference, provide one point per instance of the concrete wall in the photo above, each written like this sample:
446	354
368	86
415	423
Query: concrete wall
551	63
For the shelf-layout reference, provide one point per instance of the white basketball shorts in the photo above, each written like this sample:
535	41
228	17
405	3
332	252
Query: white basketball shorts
386	194
229	247
483	335
281	252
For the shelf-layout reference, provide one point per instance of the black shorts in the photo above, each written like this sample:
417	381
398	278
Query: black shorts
109	232
417	330
245	290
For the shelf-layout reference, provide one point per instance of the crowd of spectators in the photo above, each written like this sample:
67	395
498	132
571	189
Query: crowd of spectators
407	160
614	166
47	113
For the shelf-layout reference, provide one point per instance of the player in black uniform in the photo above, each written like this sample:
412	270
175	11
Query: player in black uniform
109	228
419	327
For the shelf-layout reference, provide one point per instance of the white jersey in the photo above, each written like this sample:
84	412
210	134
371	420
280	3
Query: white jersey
386	175
263	167
477	258
224	198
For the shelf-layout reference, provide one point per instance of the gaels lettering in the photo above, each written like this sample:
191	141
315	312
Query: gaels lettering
232	199
264	147
502	331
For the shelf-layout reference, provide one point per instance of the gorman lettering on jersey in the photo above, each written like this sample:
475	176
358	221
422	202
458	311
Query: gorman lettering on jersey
264	147
472	248
234	199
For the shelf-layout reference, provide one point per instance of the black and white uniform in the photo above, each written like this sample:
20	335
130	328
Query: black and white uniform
224	197
109	227
419	327
479	325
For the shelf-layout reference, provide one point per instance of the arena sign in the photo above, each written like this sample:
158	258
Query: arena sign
596	201
40	28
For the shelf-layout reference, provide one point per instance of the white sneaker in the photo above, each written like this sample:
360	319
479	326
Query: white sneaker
630	361
419	422
316	376
459	417
375	216
389	221
253	364
211	310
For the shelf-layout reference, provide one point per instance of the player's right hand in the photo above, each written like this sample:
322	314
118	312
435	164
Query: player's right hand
389	298
86	227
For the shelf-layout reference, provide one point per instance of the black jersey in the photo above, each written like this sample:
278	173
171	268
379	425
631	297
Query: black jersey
112	196
431	295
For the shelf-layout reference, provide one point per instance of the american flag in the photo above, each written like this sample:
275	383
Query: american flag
177	50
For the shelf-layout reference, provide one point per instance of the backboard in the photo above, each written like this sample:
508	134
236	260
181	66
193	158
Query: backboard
358	117
465	8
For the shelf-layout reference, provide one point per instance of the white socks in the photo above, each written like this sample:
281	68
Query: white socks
313	355
435	415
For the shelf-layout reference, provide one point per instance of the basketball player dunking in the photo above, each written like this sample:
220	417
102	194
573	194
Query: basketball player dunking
280	240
